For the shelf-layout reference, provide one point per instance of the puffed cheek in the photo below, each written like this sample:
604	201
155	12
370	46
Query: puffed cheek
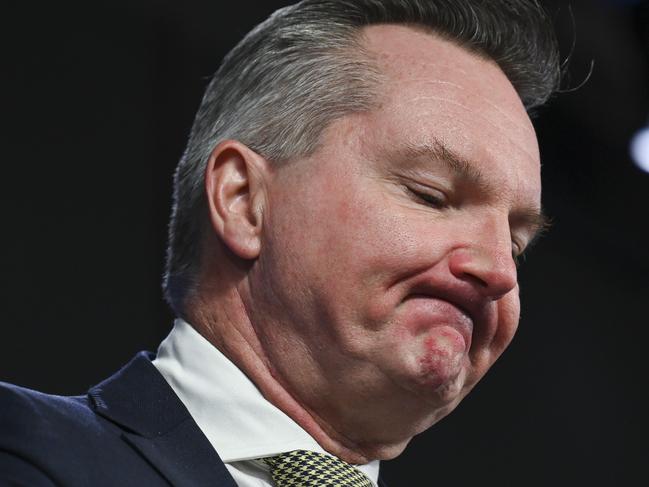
508	317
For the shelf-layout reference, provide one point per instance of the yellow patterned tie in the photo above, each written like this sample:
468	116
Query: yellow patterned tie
301	468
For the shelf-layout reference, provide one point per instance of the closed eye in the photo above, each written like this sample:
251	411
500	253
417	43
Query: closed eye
435	199
518	253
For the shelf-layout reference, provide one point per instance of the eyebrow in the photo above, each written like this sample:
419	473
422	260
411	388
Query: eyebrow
459	166
530	217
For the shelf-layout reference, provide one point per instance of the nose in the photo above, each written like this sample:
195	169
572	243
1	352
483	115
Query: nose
488	265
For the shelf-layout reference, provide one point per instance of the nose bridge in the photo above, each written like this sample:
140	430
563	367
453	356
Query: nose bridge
486	257
497	236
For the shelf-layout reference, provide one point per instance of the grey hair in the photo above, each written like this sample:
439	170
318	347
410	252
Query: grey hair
304	67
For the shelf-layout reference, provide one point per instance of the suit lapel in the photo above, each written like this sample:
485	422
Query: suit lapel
156	423
180	460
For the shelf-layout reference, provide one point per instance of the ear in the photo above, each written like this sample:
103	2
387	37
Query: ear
235	187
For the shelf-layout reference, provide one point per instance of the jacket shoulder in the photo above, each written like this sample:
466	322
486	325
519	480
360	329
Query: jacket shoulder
32	422
49	437
29	414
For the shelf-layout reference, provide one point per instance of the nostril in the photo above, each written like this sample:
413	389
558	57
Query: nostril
475	280
490	275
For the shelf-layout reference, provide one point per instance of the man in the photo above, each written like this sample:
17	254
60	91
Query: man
359	181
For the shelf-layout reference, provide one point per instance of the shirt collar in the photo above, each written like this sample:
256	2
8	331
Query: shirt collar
232	413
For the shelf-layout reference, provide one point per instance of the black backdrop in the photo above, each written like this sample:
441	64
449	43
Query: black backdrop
97	100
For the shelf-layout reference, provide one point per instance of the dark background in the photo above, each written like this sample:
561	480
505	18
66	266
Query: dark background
96	102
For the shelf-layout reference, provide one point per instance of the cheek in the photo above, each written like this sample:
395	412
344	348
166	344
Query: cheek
509	314
486	350
357	231
379	235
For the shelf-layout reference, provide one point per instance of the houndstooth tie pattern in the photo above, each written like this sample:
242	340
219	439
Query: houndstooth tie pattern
301	468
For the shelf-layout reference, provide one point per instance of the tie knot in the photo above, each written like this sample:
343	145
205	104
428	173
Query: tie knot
302	468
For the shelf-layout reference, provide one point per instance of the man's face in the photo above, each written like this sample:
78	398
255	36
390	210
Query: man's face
386	268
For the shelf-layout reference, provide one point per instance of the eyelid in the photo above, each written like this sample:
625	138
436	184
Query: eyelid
518	253
428	195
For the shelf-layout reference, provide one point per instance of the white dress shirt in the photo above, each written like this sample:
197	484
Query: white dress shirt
238	421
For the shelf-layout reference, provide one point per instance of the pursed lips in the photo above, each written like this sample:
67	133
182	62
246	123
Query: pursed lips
440	311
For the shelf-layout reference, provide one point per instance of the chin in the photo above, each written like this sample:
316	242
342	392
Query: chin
442	377
449	393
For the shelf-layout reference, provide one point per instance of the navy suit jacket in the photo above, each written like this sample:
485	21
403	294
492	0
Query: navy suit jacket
130	430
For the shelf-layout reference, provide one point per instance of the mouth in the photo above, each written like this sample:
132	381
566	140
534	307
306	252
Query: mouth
428	312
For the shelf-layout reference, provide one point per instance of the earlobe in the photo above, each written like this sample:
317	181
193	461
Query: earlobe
235	189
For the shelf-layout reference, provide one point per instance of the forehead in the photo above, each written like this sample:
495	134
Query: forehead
438	92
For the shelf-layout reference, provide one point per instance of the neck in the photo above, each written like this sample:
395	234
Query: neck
224	322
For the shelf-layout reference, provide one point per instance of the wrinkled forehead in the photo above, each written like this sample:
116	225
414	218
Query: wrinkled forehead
409	54
435	90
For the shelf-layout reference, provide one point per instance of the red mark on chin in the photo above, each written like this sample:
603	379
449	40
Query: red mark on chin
442	357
